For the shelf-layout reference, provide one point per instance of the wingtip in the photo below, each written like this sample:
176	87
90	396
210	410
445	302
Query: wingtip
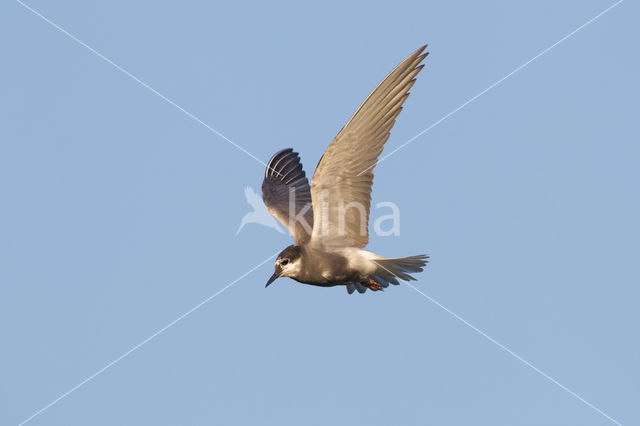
287	150
270	170
421	49
418	56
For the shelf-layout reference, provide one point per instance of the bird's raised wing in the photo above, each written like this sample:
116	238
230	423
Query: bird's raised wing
285	192
341	184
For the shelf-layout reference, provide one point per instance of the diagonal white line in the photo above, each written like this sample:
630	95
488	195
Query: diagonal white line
145	341
515	355
493	85
137	80
509	351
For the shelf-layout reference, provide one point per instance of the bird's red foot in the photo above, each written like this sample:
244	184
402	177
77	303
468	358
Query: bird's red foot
371	284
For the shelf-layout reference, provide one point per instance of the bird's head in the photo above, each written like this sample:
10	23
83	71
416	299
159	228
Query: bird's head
288	264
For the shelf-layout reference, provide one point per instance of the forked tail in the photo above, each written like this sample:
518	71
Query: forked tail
401	267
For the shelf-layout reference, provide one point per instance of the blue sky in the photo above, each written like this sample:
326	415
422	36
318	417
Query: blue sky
119	214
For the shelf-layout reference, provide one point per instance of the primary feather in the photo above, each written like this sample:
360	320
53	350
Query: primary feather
285	192
341	184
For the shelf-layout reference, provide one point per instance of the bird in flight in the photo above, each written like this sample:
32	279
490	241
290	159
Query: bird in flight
329	218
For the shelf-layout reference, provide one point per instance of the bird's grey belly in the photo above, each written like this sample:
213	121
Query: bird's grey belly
327	270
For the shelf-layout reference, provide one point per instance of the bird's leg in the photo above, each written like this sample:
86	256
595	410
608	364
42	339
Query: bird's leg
371	284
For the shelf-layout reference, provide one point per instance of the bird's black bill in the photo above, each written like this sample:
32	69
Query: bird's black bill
272	279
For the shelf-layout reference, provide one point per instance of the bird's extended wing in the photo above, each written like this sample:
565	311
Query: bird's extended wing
341	184
285	192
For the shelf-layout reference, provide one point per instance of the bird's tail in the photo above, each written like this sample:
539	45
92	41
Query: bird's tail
390	269
400	267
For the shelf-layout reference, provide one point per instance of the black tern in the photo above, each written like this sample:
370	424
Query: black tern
329	218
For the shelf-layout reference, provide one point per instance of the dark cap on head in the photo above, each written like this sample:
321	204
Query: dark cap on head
291	253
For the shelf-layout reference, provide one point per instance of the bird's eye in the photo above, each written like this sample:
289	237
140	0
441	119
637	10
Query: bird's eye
284	262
